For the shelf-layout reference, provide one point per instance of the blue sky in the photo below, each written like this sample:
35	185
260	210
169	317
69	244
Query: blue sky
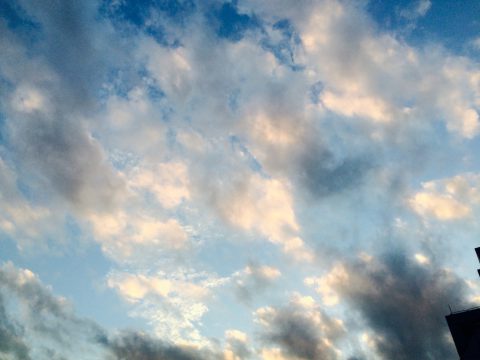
237	179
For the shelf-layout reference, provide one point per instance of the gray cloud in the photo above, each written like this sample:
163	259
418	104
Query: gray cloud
44	320
75	44
254	280
53	94
11	341
68	160
239	347
137	346
324	175
404	303
45	327
301	332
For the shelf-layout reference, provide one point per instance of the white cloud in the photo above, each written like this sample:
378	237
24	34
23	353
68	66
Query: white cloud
324	285
167	181
448	199
417	10
265	206
130	237
374	75
172	303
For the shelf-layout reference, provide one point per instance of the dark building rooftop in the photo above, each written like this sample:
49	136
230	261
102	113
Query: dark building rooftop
465	329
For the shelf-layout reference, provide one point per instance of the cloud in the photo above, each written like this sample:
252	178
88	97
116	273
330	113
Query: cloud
167	181
254	203
253	280
402	300
35	324
10	340
69	159
448	199
417	10
53	92
139	346
301	329
130	237
237	346
305	126
40	324
173	303
21	220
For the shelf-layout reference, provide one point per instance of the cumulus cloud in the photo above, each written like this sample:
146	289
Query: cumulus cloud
167	181
301	329
172	303
11	342
139	346
40	321
47	110
253	280
237	345
448	199
254	203
129	237
35	324
402	299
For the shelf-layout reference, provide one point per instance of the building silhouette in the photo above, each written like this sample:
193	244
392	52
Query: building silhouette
465	329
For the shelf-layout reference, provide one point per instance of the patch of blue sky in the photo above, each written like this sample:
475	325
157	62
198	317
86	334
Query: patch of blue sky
315	92
140	15
228	304
282	42
137	11
122	160
76	272
155	93
120	81
232	256
239	146
2	130
17	19
224	306
225	251
229	23
471	162
454	24
233	100
116	83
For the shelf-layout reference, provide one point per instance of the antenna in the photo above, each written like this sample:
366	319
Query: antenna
450	309
477	251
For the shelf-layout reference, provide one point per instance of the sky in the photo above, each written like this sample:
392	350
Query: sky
232	180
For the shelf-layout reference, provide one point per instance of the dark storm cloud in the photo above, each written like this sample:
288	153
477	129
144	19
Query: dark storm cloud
404	303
